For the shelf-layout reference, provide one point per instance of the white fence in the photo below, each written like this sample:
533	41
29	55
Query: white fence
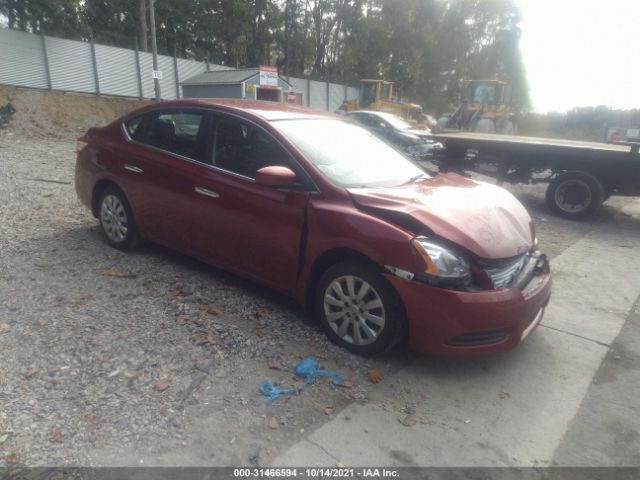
39	61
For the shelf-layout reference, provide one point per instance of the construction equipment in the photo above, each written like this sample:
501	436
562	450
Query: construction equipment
485	108
378	95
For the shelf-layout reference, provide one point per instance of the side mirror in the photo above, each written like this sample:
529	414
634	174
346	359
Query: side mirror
275	176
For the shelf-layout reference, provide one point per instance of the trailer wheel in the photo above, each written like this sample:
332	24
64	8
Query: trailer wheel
575	194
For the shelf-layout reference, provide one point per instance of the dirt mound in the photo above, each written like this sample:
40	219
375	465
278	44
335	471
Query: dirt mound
58	114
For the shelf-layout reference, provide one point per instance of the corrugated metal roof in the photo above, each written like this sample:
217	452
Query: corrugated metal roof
222	76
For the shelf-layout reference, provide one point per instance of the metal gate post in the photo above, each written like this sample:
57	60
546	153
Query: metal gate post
46	60
175	71
327	95
95	65
138	73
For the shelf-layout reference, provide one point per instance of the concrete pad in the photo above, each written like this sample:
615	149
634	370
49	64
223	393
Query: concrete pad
596	281
508	410
307	454
606	430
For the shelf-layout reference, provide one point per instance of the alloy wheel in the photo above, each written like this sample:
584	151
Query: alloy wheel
113	217
354	310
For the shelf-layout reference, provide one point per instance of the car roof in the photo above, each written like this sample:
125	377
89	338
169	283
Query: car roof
270	111
383	115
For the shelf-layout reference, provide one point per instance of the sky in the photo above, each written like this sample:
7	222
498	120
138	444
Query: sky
581	53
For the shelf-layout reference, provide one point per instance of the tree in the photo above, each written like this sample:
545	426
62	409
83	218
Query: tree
54	17
142	29
478	39
428	47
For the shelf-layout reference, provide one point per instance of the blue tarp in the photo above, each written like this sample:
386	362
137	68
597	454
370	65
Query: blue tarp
309	369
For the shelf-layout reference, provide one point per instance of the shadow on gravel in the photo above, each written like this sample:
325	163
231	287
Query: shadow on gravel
90	251
397	358
92	241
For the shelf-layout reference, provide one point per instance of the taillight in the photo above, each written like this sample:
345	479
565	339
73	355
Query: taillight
82	142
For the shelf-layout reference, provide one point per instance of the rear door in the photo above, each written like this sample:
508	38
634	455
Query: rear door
246	227
166	150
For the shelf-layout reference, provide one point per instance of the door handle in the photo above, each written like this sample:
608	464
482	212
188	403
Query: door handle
206	191
132	168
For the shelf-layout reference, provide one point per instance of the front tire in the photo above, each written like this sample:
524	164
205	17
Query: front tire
116	219
508	128
358	309
575	195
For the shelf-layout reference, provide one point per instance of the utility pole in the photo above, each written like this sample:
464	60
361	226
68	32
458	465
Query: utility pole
154	47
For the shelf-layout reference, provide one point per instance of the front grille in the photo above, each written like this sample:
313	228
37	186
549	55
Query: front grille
486	337
502	275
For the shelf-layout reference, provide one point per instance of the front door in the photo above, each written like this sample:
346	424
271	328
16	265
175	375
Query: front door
245	227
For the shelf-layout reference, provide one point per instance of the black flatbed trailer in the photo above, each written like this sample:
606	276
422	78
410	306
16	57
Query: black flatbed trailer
581	175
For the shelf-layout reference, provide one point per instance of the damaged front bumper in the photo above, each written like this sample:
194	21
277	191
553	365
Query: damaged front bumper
462	323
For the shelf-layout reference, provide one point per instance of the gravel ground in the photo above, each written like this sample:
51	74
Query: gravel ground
161	363
96	367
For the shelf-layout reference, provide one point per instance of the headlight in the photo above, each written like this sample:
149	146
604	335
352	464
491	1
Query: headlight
442	262
418	149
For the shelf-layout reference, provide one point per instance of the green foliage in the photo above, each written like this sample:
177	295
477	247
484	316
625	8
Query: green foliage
56	17
428	47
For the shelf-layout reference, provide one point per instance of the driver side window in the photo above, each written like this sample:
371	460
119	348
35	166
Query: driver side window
242	148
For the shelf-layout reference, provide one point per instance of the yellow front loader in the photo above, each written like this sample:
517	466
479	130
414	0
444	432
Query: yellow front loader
378	95
485	108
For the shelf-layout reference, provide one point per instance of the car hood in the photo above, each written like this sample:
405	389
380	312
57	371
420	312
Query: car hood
421	132
483	218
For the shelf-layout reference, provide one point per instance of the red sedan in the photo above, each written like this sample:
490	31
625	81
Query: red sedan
320	209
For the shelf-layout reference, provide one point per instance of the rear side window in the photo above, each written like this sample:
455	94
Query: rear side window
182	132
133	127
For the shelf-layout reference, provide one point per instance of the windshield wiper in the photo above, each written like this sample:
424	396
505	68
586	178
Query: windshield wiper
414	178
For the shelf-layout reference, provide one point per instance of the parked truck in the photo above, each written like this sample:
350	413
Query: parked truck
581	175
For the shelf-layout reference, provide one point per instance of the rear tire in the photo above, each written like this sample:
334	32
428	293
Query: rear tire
485	125
441	123
116	219
358	309
575	195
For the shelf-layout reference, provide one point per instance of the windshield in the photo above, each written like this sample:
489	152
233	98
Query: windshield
367	94
348	154
482	93
384	91
395	121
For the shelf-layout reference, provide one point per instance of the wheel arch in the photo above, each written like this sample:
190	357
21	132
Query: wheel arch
98	188
327	259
